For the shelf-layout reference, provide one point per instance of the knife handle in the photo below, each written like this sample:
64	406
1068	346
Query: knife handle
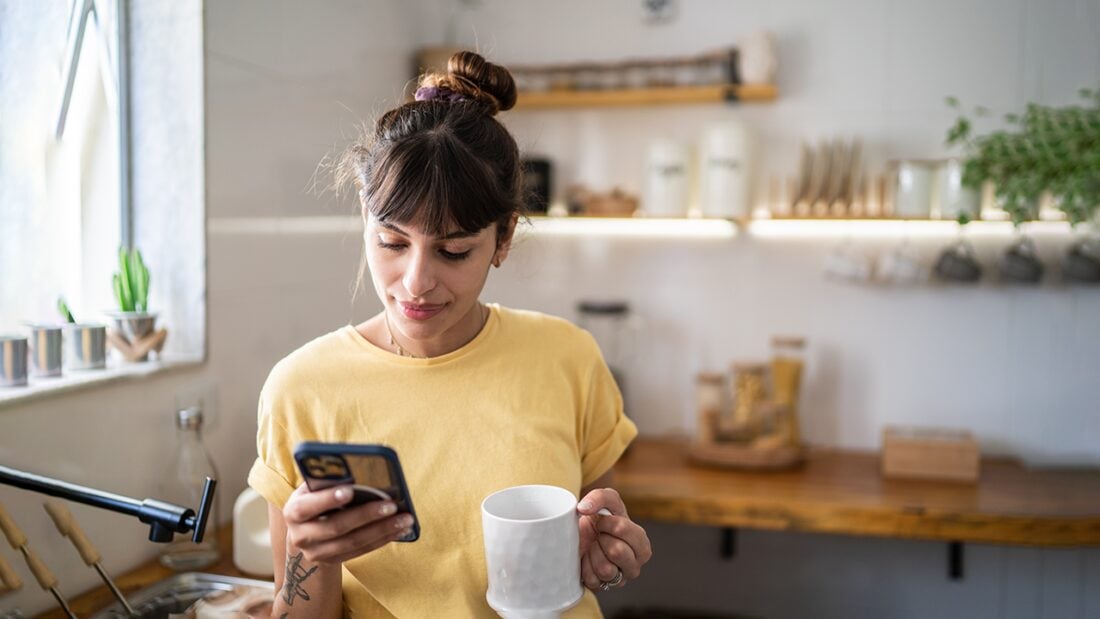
42	574
8	578
11	530
68	527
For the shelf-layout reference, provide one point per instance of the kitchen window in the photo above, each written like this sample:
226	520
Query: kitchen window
101	146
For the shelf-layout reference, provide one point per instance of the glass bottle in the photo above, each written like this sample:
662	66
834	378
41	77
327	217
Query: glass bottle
709	404
182	485
786	369
612	326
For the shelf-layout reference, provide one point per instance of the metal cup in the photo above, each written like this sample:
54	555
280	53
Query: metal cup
13	361
134	326
45	347
85	346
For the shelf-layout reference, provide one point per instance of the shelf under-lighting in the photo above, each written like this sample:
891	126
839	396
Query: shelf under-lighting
631	227
831	228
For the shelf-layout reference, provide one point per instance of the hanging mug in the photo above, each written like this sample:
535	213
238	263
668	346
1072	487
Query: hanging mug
1019	264
957	263
1081	263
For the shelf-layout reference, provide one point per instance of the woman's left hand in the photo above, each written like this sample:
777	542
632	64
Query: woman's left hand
613	548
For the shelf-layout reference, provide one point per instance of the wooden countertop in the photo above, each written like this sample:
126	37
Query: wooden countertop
833	492
144	575
843	492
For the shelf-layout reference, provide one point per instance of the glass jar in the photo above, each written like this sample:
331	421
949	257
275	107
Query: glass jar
788	361
685	72
635	74
715	69
587	76
610	323
750	390
612	75
182	484
662	74
560	77
709	405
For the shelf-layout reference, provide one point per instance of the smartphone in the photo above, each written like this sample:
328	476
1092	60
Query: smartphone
373	471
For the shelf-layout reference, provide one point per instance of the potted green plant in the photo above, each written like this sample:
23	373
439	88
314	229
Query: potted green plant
1044	149
133	320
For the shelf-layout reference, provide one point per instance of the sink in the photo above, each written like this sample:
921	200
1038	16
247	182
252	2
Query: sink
174	595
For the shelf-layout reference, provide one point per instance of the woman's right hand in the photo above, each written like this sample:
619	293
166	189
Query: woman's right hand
343	534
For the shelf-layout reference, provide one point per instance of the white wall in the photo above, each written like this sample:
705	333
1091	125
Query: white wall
1010	364
1013	365
277	78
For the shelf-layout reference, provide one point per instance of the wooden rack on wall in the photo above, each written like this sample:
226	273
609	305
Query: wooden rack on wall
646	96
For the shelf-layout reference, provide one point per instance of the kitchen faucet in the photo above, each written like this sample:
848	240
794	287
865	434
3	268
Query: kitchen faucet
164	519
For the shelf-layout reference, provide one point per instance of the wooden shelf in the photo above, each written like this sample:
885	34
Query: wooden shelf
842	492
682	227
646	96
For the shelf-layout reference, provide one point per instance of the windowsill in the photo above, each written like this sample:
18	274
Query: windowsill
115	371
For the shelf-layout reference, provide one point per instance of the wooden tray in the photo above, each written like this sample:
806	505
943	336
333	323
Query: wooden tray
742	456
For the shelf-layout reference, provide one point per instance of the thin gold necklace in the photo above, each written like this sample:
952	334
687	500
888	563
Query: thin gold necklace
401	352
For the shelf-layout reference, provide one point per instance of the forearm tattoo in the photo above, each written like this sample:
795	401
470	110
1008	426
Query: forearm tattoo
295	576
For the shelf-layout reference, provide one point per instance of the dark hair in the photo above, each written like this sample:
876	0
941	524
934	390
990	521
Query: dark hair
445	160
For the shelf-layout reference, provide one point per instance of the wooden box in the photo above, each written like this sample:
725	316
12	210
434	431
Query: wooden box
930	453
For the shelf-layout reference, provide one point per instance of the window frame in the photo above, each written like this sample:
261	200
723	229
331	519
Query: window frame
82	13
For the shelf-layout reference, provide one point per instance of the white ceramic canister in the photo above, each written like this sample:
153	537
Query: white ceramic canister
952	198
725	163
911	188
666	179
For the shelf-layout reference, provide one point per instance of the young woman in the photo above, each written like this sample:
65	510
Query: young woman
474	397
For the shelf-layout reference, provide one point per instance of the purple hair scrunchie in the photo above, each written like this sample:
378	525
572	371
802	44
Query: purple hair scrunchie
437	93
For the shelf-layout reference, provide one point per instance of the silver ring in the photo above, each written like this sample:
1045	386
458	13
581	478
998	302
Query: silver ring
606	585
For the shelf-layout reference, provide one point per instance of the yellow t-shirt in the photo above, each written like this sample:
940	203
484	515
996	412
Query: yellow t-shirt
528	401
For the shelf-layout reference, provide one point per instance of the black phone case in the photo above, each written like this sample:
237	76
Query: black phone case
324	465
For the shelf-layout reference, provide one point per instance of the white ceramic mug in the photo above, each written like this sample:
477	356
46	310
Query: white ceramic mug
532	551
847	263
901	266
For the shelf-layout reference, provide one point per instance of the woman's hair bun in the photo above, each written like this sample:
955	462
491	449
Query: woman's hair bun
471	76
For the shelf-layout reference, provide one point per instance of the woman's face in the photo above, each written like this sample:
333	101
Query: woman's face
430	285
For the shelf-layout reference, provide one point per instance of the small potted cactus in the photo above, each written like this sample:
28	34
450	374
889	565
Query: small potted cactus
133	320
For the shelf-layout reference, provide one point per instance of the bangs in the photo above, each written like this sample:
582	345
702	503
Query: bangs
433	181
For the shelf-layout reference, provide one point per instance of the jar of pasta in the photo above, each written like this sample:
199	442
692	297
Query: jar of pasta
750	390
788	354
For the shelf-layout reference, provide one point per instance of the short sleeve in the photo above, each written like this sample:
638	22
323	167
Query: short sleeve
273	471
607	431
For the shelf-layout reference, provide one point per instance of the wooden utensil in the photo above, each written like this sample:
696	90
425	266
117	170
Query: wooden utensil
68	527
9	580
800	204
41	573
